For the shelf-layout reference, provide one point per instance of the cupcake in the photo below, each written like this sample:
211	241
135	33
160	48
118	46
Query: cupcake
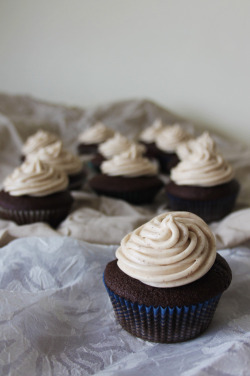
203	182
167	279
89	140
37	141
63	160
128	176
35	192
113	146
148	137
167	142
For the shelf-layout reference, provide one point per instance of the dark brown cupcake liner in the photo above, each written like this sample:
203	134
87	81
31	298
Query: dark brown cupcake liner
209	210
23	217
163	324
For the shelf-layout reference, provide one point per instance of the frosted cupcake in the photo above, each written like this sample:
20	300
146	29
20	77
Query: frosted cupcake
63	160
38	140
167	279
148	137
128	176
35	192
167	142
114	146
203	182
91	138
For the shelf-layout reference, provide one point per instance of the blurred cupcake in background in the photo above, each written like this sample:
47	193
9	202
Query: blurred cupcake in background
113	146
35	192
128	176
91	138
148	137
202	182
59	158
167	142
38	140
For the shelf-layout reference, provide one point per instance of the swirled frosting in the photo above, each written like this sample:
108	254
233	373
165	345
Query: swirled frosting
204	142
56	156
35	178
203	166
129	164
117	145
173	249
96	134
37	141
149	134
170	137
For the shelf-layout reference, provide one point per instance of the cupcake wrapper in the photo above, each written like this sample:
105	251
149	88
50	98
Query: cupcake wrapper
136	197
164	325
208	210
23	217
92	167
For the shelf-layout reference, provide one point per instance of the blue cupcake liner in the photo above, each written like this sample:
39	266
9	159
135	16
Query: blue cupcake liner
208	210
163	324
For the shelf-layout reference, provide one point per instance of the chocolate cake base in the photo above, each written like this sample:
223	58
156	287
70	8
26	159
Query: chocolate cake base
138	190
166	315
76	181
210	203
166	160
87	148
26	209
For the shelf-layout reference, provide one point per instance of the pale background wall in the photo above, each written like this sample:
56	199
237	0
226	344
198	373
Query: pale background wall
192	56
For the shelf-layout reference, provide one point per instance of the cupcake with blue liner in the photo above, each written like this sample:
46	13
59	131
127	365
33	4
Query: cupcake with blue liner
167	142
167	279
202	182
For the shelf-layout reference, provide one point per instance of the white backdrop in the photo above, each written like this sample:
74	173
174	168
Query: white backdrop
191	56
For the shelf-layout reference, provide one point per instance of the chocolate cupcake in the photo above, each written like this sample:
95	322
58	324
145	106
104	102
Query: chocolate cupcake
167	142
63	160
113	146
167	279
128	176
203	182
148	137
36	141
91	138
35	192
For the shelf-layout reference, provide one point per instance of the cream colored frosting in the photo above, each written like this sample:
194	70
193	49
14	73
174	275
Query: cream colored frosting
198	145
170	137
117	145
203	166
173	249
129	164
37	141
96	134
58	157
149	134
35	178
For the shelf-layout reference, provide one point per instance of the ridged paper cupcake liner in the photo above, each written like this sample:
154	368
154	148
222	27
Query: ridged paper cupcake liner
23	217
208	210
163	324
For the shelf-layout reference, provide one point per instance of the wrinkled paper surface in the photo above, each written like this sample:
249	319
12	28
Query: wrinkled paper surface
56	318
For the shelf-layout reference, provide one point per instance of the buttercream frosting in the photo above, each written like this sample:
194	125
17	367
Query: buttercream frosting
202	166
129	164
96	134
117	145
35	178
170	137
37	141
59	158
172	249
149	134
